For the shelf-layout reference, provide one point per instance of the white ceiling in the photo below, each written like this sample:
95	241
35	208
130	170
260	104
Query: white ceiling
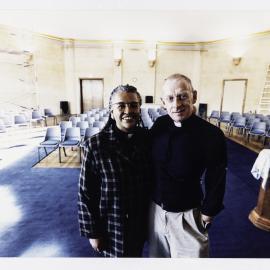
151	21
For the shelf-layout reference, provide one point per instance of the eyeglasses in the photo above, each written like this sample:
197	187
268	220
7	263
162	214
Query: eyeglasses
122	105
185	95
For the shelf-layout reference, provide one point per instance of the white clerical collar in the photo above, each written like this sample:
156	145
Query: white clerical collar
177	124
130	135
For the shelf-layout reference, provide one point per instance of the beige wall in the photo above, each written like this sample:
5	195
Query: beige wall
56	67
216	65
136	71
92	63
172	60
16	72
49	73
32	71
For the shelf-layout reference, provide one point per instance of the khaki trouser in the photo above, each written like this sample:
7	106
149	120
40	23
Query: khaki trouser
177	235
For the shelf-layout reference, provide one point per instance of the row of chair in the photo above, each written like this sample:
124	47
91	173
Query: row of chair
90	119
25	119
72	138
75	132
246	124
83	125
226	117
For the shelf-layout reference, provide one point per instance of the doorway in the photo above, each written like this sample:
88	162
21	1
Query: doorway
91	91
234	95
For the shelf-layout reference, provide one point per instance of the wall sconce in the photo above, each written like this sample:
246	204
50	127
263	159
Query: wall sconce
117	57
151	58
151	63
117	62
237	60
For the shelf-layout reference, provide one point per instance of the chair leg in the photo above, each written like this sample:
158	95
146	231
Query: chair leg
65	151
231	131
38	155
45	151
59	154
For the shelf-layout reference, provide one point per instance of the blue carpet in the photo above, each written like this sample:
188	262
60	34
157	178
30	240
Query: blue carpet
232	234
48	201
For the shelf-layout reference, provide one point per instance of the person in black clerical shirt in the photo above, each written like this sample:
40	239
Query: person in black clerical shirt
189	165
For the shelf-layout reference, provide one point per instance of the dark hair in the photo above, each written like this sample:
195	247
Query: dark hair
122	88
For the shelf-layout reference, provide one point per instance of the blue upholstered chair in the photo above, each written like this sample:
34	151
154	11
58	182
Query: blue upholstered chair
225	117
37	117
83	125
63	126
99	124
249	123
89	132
257	129
20	120
2	126
72	139
214	115
52	140
74	120
83	116
239	123
49	113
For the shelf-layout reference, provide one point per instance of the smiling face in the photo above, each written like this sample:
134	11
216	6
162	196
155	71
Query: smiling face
178	99
125	110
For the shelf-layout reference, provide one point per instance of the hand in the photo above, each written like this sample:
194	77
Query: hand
97	244
206	221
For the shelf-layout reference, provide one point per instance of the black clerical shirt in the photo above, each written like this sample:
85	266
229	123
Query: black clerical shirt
181	156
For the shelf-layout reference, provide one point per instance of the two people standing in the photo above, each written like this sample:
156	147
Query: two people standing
123	160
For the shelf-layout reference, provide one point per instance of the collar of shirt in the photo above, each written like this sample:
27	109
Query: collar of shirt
178	124
121	135
183	124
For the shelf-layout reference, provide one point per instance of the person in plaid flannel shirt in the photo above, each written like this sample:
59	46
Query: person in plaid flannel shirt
114	181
